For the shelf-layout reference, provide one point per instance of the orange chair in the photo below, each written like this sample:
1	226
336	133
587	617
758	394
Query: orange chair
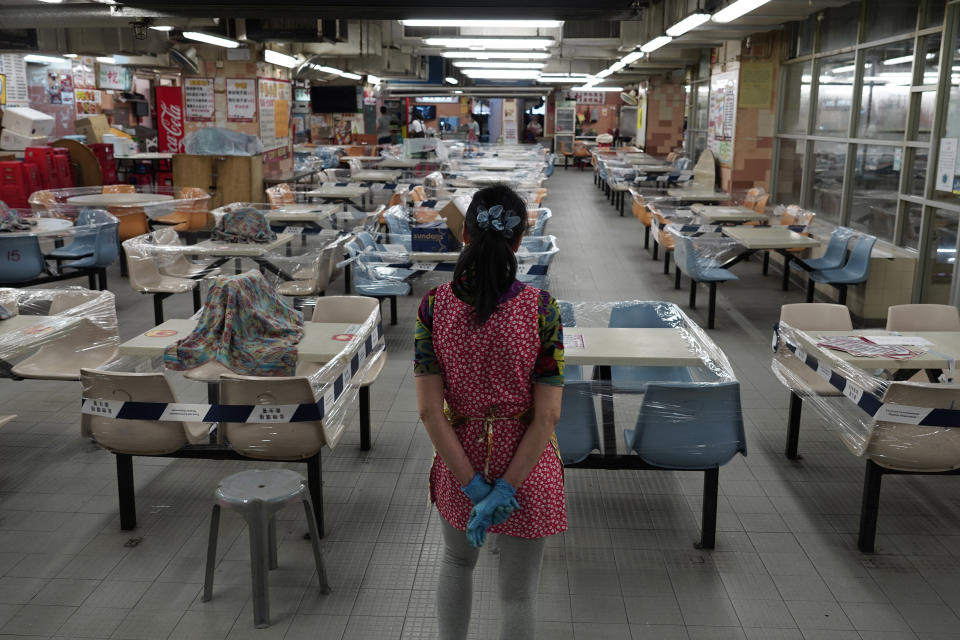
671	157
357	151
118	188
643	214
417	194
567	152
756	199
191	210
280	196
541	194
398	199
662	238
580	155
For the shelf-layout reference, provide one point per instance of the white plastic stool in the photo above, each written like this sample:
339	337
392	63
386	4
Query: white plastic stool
258	496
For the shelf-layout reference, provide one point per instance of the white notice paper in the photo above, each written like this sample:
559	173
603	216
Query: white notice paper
907	341
573	341
946	167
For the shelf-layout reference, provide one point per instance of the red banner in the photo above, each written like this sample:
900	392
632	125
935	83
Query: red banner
170	119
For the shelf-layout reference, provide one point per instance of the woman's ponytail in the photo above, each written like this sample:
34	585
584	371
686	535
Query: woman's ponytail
487	267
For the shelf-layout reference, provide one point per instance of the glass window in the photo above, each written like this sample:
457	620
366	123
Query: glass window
835	94
876	183
838	28
935	9
911	226
702	95
796	98
928	102
886	90
885	19
803	33
790	171
918	171
931	58
827	184
952	131
938	270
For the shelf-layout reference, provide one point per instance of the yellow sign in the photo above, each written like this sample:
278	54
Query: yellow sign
756	85
281	118
3	89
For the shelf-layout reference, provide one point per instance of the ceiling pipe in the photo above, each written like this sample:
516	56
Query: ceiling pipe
40	16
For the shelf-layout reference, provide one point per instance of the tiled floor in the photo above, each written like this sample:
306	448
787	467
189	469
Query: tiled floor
785	567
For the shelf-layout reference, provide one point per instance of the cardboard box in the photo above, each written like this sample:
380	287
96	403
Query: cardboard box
10	140
93	127
27	122
434	237
453	212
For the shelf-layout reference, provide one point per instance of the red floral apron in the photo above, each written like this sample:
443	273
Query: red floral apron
488	388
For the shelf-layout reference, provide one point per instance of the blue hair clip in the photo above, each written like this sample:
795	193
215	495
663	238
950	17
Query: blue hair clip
496	218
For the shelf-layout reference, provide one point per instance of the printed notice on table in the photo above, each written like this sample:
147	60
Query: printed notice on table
198	99
573	341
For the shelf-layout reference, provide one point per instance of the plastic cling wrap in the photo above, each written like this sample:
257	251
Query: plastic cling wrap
900	424
51	333
276	418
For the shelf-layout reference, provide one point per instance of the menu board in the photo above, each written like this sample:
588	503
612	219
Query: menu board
83	75
723	116
274	98
14	70
89	101
113	76
241	99
509	121
198	99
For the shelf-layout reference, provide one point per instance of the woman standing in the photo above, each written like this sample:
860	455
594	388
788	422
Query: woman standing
492	349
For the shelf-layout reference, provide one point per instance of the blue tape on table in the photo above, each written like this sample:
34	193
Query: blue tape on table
302	231
248	413
869	402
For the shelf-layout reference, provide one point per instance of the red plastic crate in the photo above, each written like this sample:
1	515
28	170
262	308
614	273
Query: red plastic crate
61	163
42	158
164	179
13	186
108	166
31	175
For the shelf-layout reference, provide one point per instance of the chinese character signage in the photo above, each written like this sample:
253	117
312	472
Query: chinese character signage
89	101
170	119
198	99
241	99
589	97
14	69
83	75
113	76
722	119
274	97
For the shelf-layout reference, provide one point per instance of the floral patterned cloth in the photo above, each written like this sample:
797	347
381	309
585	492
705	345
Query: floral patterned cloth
488	377
246	326
243	225
11	221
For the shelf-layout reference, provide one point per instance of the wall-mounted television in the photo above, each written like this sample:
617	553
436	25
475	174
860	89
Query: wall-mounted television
334	99
427	111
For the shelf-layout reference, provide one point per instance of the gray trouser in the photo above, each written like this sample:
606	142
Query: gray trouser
520	561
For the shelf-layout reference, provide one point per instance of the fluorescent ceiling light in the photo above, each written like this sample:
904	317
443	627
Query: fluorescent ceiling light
502	74
458	91
479	64
490	43
844	69
655	44
350	76
501	24
199	36
497	55
690	22
451	80
106	59
162	27
605	72
736	9
632	57
562	78
35	57
51	1
282	59
70	55
372	79
320	67
899	60
588	87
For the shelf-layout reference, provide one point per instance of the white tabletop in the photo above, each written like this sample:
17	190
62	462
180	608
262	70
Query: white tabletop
321	341
394	163
230	249
698	195
654	168
640	347
43	226
945	344
333	191
375	175
769	237
718	213
440	256
303	213
118	199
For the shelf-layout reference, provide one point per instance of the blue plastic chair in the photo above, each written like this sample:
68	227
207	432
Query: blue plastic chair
699	269
689	426
835	254
568	318
539	281
625	379
539	227
577	431
399	227
855	271
20	259
105	253
550	162
380	282
83	244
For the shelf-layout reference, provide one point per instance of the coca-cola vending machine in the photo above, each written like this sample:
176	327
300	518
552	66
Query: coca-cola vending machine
170	119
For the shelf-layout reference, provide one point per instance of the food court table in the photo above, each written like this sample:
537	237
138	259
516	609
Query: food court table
43	226
777	238
945	348
321	341
395	163
698	195
118	199
223	251
375	175
718	213
340	193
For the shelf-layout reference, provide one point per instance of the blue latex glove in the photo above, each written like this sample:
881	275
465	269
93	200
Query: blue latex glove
492	510
477	489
